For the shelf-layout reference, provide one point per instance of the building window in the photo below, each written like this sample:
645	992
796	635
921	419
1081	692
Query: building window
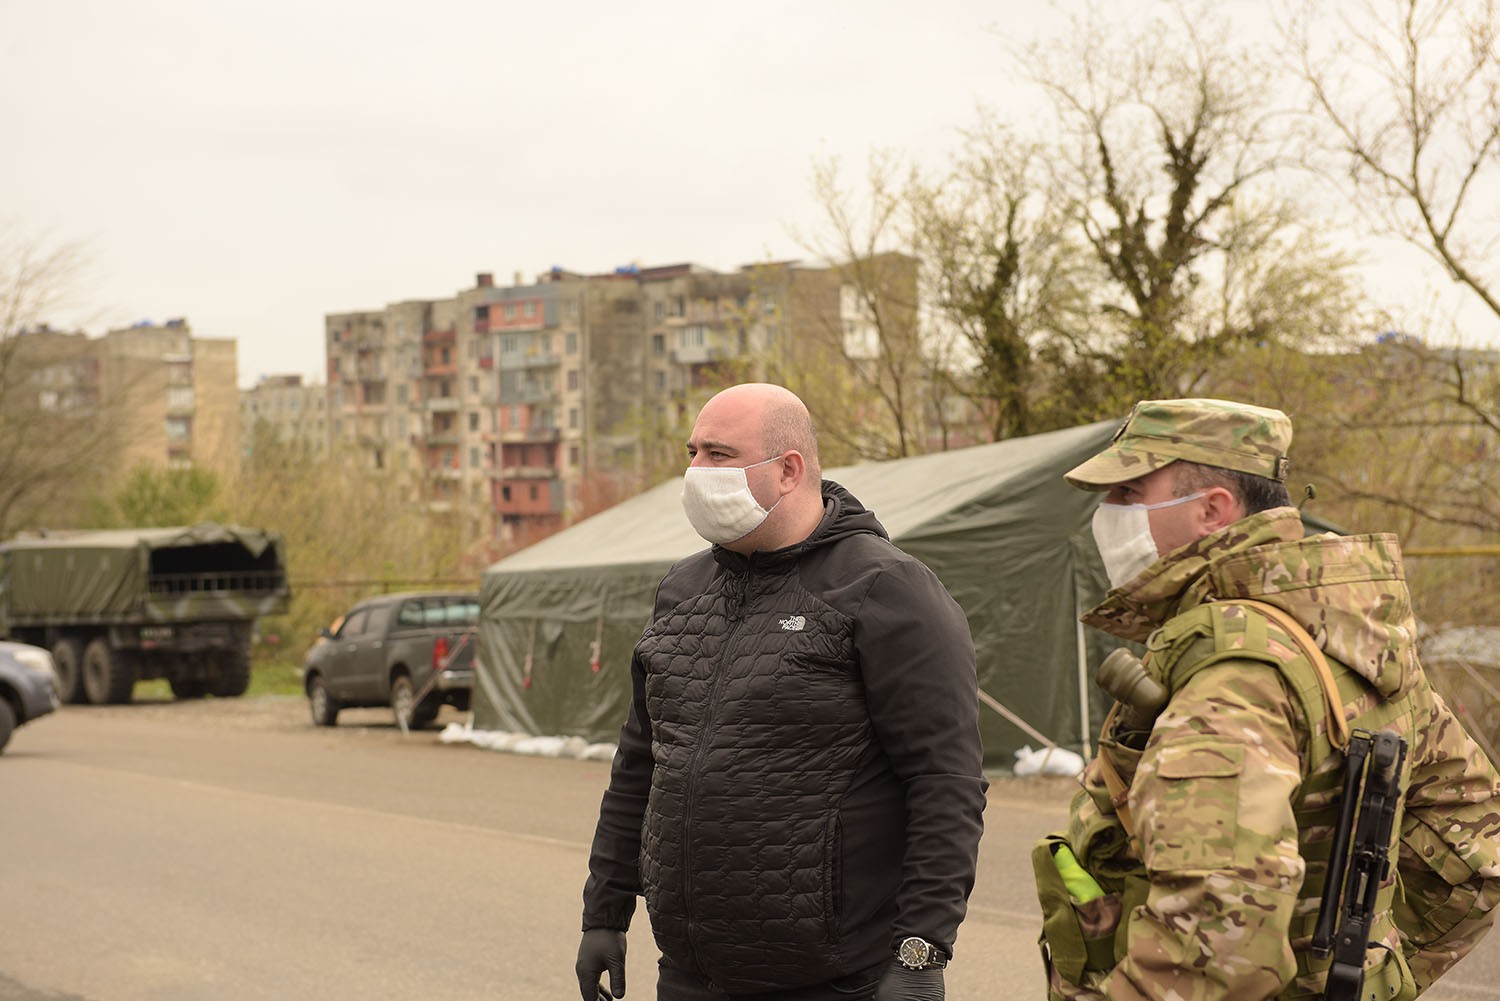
474	458
505	493
533	491
572	417
473	422
661	381
572	380
573	455
661	310
510	311
572	343
572	308
658	344
401	393
530	310
546	344
474	385
509	344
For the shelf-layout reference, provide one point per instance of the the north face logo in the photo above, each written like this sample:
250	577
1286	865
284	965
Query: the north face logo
795	624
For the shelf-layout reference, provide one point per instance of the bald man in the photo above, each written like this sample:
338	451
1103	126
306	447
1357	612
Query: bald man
797	792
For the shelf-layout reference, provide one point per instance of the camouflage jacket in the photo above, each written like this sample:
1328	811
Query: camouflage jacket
1234	794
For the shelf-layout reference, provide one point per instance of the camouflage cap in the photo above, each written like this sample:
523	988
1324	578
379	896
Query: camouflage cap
1218	433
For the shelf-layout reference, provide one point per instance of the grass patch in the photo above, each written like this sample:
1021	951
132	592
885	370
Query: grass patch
275	677
269	677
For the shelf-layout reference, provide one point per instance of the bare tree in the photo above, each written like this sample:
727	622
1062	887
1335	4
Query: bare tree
1405	96
1004	271
341	524
860	319
55	433
1168	168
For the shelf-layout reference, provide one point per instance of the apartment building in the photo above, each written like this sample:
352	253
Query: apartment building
516	409
284	409
171	397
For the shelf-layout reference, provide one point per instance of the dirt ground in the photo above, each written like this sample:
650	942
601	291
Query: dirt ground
289	713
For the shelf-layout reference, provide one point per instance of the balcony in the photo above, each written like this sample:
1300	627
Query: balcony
523	436
699	354
441	404
528	394
524	473
513	360
447	437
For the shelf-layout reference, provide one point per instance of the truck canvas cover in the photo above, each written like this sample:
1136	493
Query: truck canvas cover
204	571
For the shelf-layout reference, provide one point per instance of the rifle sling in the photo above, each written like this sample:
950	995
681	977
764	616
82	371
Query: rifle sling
1338	726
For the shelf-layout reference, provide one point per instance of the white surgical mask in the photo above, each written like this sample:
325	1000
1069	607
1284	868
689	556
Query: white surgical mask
1123	534
719	503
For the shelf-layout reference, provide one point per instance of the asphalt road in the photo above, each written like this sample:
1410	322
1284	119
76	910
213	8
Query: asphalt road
221	851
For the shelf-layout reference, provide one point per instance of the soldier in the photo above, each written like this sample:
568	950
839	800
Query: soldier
1207	828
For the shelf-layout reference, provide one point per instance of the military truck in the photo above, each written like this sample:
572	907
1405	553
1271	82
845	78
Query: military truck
120	606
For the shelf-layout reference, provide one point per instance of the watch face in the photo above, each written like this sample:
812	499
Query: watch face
913	953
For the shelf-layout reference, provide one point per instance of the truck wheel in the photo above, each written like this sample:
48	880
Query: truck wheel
188	688
7	723
324	709
403	704
233	674
67	654
108	675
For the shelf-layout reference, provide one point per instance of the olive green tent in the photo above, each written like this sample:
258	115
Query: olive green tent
997	524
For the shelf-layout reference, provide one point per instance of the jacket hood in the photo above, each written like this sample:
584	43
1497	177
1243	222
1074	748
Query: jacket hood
843	516
1348	592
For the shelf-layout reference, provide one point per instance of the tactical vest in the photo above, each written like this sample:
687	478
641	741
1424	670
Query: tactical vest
1080	952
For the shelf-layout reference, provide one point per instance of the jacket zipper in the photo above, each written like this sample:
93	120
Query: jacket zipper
735	613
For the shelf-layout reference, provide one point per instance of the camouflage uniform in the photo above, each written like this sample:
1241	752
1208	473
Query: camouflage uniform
1236	792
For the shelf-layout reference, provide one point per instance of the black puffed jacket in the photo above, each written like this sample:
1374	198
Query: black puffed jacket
798	785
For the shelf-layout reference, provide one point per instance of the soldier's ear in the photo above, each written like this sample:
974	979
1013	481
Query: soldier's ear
1220	508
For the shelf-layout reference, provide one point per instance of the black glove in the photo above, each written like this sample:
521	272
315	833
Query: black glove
603	949
901	984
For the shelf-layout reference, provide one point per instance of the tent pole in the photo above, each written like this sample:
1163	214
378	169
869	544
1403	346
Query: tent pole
1083	687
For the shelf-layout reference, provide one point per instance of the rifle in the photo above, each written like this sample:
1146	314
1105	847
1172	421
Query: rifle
1372	786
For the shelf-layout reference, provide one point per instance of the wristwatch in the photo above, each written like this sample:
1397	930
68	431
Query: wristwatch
919	954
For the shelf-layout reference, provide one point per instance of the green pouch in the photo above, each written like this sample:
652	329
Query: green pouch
1075	937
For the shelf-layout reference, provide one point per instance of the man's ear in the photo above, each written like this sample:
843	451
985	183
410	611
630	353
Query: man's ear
1220	508
793	468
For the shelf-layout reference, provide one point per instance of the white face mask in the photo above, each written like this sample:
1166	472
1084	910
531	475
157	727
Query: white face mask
1123	534
719	503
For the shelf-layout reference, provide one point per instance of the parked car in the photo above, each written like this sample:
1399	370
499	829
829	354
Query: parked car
28	686
412	652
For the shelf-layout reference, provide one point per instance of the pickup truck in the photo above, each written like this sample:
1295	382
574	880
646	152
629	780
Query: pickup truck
413	652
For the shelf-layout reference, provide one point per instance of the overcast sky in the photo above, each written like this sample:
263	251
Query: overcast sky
254	166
